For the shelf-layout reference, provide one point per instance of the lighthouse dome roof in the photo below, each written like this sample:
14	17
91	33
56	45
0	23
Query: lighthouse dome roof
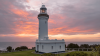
43	7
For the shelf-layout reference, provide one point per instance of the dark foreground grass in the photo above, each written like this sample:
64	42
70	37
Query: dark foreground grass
29	53
20	53
88	52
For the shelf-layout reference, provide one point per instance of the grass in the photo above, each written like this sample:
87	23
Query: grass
88	52
29	53
20	53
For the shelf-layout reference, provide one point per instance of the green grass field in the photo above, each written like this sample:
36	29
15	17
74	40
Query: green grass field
20	53
29	53
88	52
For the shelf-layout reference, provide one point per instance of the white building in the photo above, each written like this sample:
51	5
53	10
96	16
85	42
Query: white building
43	43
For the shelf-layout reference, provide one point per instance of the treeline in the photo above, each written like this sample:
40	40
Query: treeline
72	45
21	48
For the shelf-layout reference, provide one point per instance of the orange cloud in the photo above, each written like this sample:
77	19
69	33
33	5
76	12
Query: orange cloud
65	29
20	12
75	37
32	27
26	28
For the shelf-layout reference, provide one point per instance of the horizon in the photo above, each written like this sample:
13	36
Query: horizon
71	20
79	42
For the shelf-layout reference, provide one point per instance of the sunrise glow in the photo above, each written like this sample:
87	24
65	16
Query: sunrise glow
72	20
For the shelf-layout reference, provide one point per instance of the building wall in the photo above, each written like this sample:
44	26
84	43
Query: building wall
47	47
43	27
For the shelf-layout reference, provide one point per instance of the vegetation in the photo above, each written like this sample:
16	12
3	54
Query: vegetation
71	45
84	46
9	48
18	48
76	54
65	46
20	53
21	48
94	52
97	50
33	48
32	53
50	54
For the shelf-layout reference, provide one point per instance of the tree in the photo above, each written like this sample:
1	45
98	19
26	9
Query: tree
23	47
84	46
18	48
71	45
65	45
9	48
33	48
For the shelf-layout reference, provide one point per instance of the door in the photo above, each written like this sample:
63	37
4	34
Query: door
37	47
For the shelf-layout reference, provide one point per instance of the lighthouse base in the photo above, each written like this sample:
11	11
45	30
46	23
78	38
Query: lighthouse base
50	46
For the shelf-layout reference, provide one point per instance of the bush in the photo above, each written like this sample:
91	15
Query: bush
91	54
21	48
9	48
76	54
97	50
71	45
33	48
84	46
50	54
18	48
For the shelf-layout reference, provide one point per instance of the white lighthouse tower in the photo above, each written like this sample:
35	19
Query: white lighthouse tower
43	23
43	43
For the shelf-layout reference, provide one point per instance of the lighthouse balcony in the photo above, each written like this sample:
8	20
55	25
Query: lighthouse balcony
43	15
49	41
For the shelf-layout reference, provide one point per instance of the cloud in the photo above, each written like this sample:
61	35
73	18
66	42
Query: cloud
69	17
18	39
12	13
83	15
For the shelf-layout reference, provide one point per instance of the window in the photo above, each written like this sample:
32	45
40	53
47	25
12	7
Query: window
52	47
45	22
42	47
42	11
37	47
60	47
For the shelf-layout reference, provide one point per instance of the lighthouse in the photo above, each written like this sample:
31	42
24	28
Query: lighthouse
43	43
43	23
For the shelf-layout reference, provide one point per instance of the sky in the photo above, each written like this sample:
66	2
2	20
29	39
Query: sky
71	20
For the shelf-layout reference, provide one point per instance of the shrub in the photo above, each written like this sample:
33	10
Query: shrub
33	48
50	54
91	54
18	48
21	48
9	48
97	50
76	54
71	45
84	46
